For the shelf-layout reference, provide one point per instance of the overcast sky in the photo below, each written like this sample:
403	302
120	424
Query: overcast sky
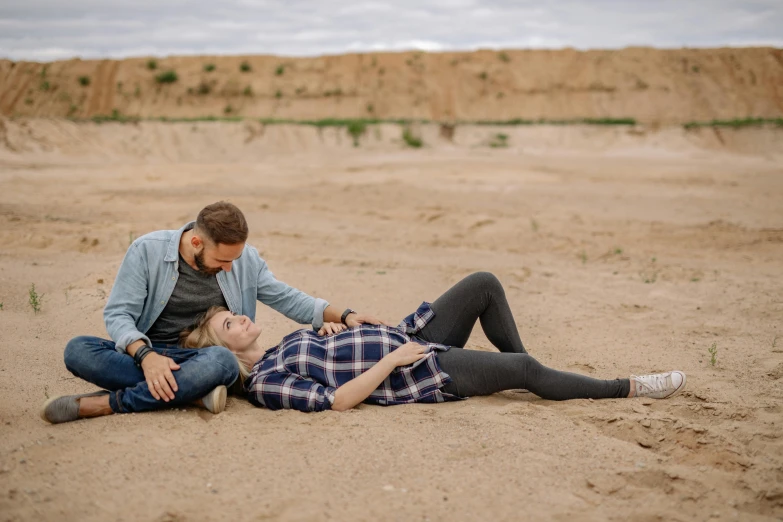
56	29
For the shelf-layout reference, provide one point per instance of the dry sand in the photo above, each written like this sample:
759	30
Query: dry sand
621	251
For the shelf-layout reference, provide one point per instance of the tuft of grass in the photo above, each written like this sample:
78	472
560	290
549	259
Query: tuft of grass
35	299
28	101
115	116
228	109
370	108
279	70
410	139
649	277
534	225
248	91
203	88
483	75
713	351
583	257
45	86
278	94
504	57
356	128
152	65
84	81
245	67
735	123
617	251
499	141
209	67
1	306
169	76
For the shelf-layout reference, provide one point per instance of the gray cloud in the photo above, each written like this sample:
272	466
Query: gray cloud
52	29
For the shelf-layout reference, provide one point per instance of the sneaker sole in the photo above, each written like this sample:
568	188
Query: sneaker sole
681	387
218	399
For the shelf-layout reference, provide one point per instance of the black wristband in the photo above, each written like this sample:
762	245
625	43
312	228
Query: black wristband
140	354
347	312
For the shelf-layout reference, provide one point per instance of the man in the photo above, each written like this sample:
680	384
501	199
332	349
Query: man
165	281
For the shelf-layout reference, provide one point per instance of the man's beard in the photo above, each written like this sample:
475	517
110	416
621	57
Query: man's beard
199	258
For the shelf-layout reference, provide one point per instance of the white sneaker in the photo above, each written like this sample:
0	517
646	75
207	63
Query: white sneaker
659	385
215	401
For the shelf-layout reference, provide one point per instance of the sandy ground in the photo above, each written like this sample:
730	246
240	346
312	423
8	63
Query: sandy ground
615	261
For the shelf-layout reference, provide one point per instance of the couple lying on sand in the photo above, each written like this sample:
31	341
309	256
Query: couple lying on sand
159	358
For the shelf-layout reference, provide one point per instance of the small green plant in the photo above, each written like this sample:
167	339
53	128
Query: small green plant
410	139
499	141
1	307
370	108
534	225
209	67
649	277
72	110
617	251
35	299
152	65
248	91
244	67
713	351
279	70
228	109
483	75
28	101
169	76
356	128
583	256
84	81
203	88
45	86
278	94
504	57
137	92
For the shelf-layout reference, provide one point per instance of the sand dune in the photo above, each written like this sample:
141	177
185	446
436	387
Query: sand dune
664	86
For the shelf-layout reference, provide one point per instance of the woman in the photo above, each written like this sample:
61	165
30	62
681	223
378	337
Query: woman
421	360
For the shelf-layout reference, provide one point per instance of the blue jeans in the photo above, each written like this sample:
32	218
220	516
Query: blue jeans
95	360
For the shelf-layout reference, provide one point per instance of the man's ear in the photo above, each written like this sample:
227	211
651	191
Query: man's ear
196	241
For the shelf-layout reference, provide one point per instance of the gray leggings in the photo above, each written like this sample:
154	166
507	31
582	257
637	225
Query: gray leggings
481	296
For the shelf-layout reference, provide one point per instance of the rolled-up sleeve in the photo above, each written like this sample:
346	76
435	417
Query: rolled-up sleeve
281	390
293	303
126	301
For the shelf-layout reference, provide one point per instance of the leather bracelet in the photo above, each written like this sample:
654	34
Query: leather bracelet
345	315
140	354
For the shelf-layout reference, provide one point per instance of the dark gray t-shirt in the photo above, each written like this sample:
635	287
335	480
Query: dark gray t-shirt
193	294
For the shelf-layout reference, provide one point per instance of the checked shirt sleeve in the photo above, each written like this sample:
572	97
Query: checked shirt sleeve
281	390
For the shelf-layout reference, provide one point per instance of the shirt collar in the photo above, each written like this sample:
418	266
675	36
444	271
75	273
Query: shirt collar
172	254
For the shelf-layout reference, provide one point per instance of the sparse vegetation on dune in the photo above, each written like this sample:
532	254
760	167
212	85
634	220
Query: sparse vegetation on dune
169	76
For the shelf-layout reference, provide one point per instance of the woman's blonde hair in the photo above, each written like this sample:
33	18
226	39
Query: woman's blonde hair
202	335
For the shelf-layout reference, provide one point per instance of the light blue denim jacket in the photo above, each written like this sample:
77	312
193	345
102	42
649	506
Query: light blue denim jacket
149	272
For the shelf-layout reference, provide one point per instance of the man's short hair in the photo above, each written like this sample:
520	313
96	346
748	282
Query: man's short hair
222	222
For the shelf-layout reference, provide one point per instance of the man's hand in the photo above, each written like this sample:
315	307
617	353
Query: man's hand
157	373
357	319
331	329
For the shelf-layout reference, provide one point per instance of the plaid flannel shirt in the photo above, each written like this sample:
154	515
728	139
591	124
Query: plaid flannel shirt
305	369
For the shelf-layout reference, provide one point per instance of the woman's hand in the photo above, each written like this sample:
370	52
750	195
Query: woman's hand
408	353
332	328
